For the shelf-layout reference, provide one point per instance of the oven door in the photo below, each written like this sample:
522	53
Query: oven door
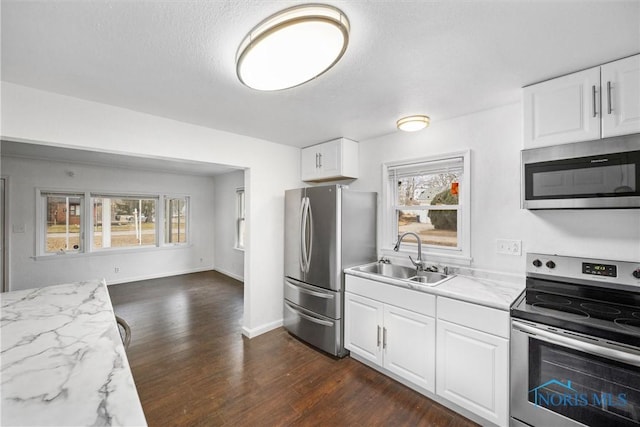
559	378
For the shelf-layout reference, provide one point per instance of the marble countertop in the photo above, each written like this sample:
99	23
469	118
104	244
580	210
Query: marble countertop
62	359
483	291
490	293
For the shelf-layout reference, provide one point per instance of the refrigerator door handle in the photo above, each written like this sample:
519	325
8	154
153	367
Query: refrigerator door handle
303	231
314	293
309	318
310	215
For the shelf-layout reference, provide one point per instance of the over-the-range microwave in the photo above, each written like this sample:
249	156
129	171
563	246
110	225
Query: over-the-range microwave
601	174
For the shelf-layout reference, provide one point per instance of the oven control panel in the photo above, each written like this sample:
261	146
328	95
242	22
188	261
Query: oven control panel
596	269
560	266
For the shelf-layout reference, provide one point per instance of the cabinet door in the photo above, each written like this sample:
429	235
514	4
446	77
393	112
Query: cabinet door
566	109
472	371
330	159
309	164
621	97
363	327
409	341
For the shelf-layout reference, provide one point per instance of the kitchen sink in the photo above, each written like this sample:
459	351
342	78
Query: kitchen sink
388	270
428	277
400	272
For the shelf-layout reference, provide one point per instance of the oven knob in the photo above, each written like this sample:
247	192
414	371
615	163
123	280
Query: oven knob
636	273
537	262
551	264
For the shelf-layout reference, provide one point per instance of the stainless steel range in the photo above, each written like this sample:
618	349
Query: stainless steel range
575	343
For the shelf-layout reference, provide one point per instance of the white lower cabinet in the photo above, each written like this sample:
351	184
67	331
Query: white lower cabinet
473	365
460	356
409	341
363	327
399	340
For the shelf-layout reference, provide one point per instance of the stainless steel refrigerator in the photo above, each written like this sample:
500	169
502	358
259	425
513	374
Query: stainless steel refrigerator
327	229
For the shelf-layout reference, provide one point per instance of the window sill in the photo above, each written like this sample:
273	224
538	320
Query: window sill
133	251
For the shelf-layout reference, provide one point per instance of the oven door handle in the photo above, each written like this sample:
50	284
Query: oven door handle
587	347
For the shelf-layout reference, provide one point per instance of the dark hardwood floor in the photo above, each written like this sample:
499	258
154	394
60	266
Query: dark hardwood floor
193	367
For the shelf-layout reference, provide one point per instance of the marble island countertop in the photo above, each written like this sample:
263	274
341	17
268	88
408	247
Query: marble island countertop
465	287
62	359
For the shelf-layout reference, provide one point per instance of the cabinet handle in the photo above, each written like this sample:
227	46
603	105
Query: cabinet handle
384	337
609	109
316	160
320	155
593	96
378	336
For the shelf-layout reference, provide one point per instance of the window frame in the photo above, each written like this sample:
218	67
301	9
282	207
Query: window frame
241	213
41	220
87	222
187	202
388	237
119	195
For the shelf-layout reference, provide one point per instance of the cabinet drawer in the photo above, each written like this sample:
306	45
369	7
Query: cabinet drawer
474	316
408	299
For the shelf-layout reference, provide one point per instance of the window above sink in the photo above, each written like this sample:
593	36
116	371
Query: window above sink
431	197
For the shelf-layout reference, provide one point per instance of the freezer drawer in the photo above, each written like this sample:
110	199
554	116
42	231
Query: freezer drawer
318	300
318	331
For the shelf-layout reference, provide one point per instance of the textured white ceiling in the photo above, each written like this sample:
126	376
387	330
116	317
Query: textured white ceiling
442	58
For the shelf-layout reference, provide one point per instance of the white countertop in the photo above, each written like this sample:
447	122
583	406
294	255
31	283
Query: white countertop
63	362
483	291
486	292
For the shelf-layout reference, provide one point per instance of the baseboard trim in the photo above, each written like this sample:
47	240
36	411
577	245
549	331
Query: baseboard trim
254	332
156	276
228	273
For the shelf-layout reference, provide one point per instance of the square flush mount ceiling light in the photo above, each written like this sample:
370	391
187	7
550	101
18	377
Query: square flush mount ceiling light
292	47
413	123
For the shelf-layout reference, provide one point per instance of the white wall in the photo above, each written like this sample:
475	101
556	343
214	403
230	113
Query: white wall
228	260
33	115
27	175
495	139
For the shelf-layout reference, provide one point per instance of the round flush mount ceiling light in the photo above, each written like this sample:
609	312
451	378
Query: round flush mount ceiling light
292	47
413	123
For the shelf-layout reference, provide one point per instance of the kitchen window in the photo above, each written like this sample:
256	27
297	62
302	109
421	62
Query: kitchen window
109	221
430	197
240	220
123	221
175	219
62	222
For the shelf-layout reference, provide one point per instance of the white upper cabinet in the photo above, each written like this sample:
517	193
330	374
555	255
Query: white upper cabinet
333	160
563	110
621	97
596	103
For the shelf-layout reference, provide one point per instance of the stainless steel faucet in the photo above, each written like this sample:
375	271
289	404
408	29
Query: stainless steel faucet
418	263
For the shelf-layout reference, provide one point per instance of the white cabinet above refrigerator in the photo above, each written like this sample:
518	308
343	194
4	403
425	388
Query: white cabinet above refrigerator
333	160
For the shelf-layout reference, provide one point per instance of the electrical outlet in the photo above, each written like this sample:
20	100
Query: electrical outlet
116	269
509	247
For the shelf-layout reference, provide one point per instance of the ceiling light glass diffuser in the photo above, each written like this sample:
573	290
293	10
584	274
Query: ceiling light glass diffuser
413	123
292	47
